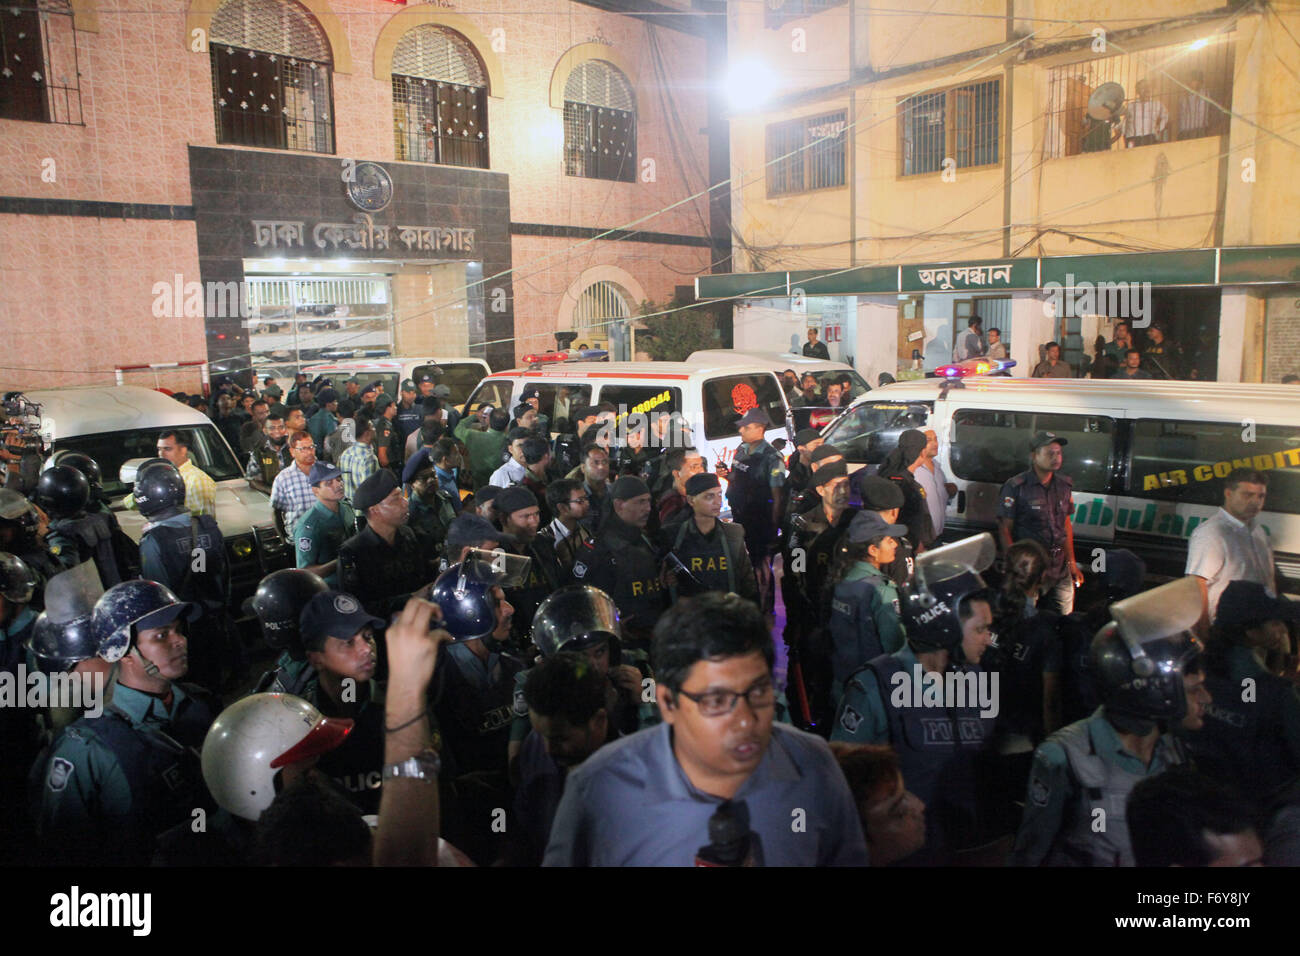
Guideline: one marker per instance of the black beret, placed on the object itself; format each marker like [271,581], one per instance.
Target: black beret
[374,490]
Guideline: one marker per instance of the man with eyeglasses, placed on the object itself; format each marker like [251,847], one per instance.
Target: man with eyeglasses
[569,502]
[647,799]
[291,494]
[327,524]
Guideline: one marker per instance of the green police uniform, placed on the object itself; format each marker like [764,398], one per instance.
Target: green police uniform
[63,548]
[485,450]
[320,533]
[1062,810]
[386,437]
[110,784]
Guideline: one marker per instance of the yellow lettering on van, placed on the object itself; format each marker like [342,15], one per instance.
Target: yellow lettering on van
[1178,477]
[1202,473]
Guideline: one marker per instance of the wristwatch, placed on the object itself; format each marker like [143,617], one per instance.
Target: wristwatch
[426,765]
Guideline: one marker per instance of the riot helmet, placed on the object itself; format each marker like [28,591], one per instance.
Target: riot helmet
[253,739]
[464,593]
[127,607]
[159,489]
[1140,657]
[63,491]
[64,633]
[17,580]
[942,579]
[84,464]
[278,604]
[574,618]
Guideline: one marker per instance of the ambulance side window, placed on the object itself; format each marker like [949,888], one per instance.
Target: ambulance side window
[495,392]
[726,399]
[558,401]
[992,446]
[1187,461]
[642,400]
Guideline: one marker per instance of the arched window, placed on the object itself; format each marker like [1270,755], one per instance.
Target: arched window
[439,99]
[600,317]
[271,68]
[599,123]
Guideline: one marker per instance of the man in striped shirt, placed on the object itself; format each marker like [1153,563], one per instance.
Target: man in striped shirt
[291,494]
[358,461]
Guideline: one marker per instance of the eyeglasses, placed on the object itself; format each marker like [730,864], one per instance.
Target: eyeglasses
[718,703]
[578,501]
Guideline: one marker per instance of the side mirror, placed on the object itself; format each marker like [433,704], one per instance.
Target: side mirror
[885,379]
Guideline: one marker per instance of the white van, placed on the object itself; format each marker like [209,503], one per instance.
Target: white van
[710,398]
[458,373]
[804,412]
[1147,457]
[115,425]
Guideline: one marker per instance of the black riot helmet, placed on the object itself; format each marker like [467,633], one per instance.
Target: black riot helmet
[159,489]
[943,578]
[278,604]
[63,634]
[574,618]
[17,581]
[1140,657]
[63,491]
[84,464]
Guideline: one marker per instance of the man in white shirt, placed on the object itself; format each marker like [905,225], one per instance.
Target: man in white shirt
[1233,545]
[930,476]
[1147,119]
[1193,109]
[512,471]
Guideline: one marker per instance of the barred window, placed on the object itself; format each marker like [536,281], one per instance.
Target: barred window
[1141,98]
[963,124]
[271,76]
[777,13]
[439,99]
[40,76]
[806,154]
[599,123]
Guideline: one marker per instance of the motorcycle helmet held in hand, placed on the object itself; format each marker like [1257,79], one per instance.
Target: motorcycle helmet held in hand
[464,594]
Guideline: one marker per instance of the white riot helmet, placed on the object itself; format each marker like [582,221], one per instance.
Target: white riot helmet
[254,738]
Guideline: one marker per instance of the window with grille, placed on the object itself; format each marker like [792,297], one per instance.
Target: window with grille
[271,76]
[806,154]
[40,78]
[599,124]
[963,124]
[439,99]
[777,13]
[1154,96]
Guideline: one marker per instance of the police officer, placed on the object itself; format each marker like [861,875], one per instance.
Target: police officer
[386,561]
[622,562]
[1037,504]
[18,729]
[339,638]
[278,604]
[62,641]
[257,747]
[79,536]
[325,421]
[886,498]
[583,620]
[472,696]
[755,493]
[947,618]
[388,444]
[521,519]
[712,552]
[806,441]
[410,413]
[126,552]
[1149,669]
[23,530]
[110,784]
[187,554]
[326,525]
[900,467]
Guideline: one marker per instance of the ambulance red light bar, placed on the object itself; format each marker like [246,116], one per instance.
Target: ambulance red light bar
[568,355]
[974,366]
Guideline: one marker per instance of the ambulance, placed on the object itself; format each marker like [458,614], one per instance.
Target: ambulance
[1148,458]
[804,414]
[709,397]
[458,373]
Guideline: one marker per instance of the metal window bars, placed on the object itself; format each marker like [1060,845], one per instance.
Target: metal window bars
[439,99]
[1159,112]
[962,124]
[792,168]
[599,123]
[40,68]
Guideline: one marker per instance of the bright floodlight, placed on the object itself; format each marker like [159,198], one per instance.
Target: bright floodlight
[748,84]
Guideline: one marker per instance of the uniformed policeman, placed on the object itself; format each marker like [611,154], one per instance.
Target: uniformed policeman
[386,561]
[1037,504]
[1148,666]
[18,728]
[23,530]
[622,562]
[900,467]
[388,443]
[325,421]
[109,784]
[326,525]
[278,604]
[520,517]
[711,553]
[798,482]
[755,493]
[187,554]
[432,508]
[923,700]
[125,551]
[583,620]
[339,638]
[64,493]
[410,413]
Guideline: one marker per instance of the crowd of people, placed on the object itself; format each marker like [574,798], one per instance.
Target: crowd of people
[499,646]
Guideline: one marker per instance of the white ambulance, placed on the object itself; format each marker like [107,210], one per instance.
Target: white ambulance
[460,374]
[1148,458]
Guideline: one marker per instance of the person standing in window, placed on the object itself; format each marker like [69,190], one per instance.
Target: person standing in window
[1194,109]
[971,343]
[1052,366]
[1147,121]
[996,349]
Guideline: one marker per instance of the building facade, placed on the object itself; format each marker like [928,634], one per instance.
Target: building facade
[1049,167]
[258,184]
